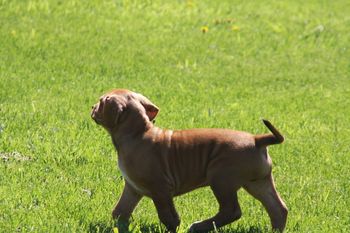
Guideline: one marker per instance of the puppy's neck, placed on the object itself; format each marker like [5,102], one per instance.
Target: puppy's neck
[129,133]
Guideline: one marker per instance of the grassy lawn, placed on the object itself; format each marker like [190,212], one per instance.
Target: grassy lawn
[223,64]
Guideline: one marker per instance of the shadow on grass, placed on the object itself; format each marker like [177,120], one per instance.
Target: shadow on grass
[252,229]
[100,227]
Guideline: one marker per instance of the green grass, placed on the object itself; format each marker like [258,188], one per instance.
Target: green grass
[287,62]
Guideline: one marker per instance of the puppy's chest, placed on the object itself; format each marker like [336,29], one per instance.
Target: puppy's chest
[128,176]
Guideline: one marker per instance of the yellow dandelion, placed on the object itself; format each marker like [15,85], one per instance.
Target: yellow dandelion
[235,28]
[190,4]
[204,29]
[276,28]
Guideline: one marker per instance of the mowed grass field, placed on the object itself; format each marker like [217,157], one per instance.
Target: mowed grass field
[217,64]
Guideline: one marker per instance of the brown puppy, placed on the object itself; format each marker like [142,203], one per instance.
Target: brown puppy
[162,164]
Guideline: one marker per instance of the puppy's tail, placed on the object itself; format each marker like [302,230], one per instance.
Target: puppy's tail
[269,139]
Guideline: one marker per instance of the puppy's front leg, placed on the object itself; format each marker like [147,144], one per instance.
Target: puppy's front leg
[166,210]
[126,204]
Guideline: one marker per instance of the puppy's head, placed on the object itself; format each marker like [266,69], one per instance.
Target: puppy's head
[122,106]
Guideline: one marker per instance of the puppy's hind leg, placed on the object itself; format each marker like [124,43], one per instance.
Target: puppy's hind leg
[229,209]
[264,190]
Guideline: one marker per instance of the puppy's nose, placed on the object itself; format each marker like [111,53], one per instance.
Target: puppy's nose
[93,107]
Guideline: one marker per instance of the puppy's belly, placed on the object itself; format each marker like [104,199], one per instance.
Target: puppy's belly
[190,187]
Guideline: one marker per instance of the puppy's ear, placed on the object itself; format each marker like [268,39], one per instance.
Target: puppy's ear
[151,109]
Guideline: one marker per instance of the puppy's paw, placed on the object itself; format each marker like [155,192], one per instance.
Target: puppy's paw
[198,226]
[122,225]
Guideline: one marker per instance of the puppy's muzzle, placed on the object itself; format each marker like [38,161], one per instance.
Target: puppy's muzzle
[97,110]
[96,113]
